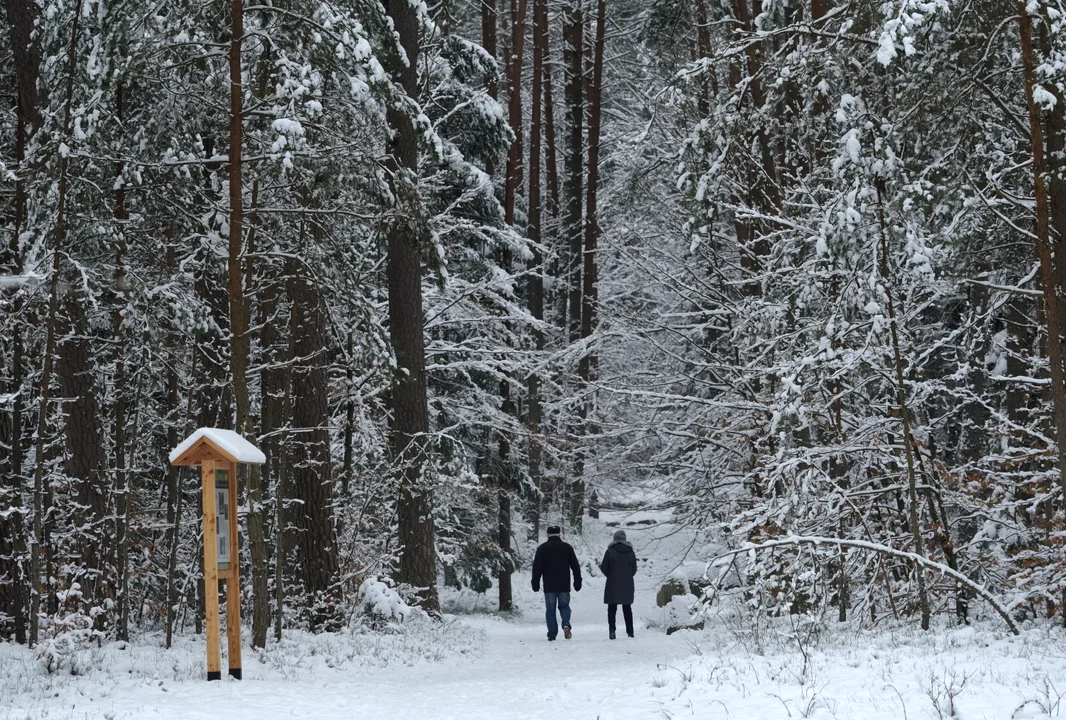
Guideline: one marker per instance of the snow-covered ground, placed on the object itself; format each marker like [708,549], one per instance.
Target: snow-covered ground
[483,666]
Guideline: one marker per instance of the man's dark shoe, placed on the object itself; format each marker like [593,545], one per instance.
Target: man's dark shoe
[630,634]
[566,632]
[551,639]
[612,634]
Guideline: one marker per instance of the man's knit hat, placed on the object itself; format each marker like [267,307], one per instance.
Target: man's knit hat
[554,530]
[619,536]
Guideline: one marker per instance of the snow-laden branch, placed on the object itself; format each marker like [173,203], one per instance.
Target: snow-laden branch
[884,550]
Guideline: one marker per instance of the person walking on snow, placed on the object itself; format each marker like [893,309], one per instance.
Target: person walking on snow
[553,562]
[619,566]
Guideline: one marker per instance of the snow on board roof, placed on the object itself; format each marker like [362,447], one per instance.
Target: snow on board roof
[227,441]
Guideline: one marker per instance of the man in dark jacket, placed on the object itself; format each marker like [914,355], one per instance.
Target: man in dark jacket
[619,566]
[553,562]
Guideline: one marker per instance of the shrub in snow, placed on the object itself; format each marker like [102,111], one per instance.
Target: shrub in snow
[379,602]
[68,634]
[464,601]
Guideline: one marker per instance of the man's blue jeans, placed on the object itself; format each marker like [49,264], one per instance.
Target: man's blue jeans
[550,601]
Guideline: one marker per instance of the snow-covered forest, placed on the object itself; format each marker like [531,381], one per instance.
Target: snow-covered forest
[784,276]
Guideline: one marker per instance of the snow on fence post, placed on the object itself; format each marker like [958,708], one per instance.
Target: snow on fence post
[217,453]
[874,547]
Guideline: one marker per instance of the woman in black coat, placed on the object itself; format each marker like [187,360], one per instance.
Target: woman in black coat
[619,566]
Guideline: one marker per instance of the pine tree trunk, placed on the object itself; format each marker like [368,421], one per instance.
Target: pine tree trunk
[86,459]
[312,482]
[75,358]
[514,58]
[10,503]
[13,595]
[281,541]
[349,416]
[175,493]
[1055,157]
[506,595]
[410,414]
[121,487]
[553,237]
[25,15]
[763,192]
[512,189]
[589,304]
[21,16]
[273,419]
[240,341]
[573,60]
[489,21]
[282,529]
[535,267]
[703,51]
[1043,246]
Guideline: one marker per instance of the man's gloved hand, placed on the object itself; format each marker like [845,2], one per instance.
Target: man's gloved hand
[577,586]
[536,587]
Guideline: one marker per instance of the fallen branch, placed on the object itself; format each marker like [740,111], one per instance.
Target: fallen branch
[883,550]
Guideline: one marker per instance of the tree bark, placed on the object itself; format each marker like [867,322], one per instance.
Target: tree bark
[121,487]
[21,16]
[505,595]
[764,191]
[489,20]
[240,341]
[349,416]
[410,414]
[1055,157]
[489,23]
[86,459]
[280,521]
[281,493]
[45,394]
[589,304]
[512,189]
[175,492]
[572,227]
[573,59]
[309,456]
[513,181]
[272,420]
[559,265]
[13,597]
[1043,245]
[535,267]
[703,52]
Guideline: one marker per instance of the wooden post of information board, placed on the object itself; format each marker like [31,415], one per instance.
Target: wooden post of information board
[217,453]
[214,659]
[233,583]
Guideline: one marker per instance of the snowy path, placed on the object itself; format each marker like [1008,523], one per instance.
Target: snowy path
[516,677]
[512,672]
[483,667]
